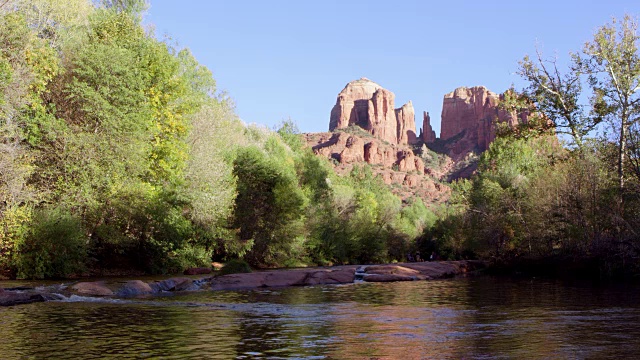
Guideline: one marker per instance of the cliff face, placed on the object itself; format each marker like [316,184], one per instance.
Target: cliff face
[349,149]
[406,124]
[470,114]
[366,104]
[387,135]
[395,164]
[352,106]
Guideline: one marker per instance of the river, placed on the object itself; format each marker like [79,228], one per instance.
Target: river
[478,317]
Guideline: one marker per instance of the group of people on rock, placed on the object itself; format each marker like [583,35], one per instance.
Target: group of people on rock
[418,258]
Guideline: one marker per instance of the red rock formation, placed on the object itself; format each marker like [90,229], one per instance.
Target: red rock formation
[409,162]
[406,119]
[428,135]
[375,153]
[95,288]
[343,147]
[352,106]
[366,104]
[395,164]
[382,122]
[353,151]
[472,112]
[411,180]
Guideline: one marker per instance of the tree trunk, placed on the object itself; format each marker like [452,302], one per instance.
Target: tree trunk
[621,153]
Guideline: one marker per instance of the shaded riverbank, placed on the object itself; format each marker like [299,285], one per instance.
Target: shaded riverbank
[259,279]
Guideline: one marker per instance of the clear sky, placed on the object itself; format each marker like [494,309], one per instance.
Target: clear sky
[289,59]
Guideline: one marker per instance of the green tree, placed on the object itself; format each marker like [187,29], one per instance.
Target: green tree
[54,247]
[613,64]
[269,205]
[502,196]
[557,96]
[59,22]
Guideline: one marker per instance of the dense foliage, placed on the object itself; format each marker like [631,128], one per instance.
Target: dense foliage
[118,154]
[537,205]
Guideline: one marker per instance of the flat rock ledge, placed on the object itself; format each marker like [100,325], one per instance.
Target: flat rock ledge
[133,288]
[260,279]
[418,270]
[345,274]
[280,278]
[11,298]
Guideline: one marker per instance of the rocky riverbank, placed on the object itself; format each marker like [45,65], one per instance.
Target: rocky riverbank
[259,279]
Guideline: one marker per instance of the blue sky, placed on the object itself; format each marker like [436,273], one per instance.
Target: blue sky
[290,59]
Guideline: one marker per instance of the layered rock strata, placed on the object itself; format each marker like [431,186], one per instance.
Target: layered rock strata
[395,164]
[368,105]
[470,115]
[406,124]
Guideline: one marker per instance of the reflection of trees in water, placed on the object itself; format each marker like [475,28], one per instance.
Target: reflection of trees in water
[551,319]
[89,330]
[459,318]
[285,322]
[403,320]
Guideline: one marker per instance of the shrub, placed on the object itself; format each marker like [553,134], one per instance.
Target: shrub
[55,246]
[235,266]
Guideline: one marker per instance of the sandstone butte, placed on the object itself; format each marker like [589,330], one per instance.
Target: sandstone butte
[470,115]
[366,128]
[368,105]
[344,274]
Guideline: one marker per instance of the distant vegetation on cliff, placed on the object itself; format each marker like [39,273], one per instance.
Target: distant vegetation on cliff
[118,154]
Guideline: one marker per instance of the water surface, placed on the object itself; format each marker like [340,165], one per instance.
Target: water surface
[481,317]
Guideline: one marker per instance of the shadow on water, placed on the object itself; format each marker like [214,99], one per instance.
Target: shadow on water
[460,318]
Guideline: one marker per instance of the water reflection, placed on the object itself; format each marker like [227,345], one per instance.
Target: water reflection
[461,318]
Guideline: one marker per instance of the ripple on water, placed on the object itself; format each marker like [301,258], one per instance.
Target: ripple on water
[461,318]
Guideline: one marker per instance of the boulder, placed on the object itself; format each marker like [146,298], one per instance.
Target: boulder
[342,275]
[10,298]
[419,165]
[95,288]
[380,154]
[134,288]
[237,281]
[407,160]
[172,284]
[353,151]
[411,180]
[198,271]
